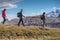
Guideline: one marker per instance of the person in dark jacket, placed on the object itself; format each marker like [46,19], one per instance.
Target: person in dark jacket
[20,15]
[4,15]
[43,19]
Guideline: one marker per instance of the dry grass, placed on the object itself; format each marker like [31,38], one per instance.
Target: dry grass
[14,32]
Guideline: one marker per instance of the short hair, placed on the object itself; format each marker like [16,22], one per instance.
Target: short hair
[43,12]
[4,9]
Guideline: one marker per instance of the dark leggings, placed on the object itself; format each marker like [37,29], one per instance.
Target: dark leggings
[20,20]
[4,19]
[43,22]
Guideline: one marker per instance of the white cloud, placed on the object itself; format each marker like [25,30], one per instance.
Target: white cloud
[8,4]
[9,1]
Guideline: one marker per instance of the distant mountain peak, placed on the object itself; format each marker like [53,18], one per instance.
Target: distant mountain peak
[55,13]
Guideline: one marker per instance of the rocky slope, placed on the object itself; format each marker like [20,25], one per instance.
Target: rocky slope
[36,21]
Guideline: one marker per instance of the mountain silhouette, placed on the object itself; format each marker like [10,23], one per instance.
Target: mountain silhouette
[55,13]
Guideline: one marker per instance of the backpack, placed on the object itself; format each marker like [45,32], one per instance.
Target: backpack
[41,17]
[18,14]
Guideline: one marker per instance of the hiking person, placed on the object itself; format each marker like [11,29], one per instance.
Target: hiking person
[43,19]
[4,15]
[20,16]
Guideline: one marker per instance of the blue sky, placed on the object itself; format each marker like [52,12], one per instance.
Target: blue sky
[30,7]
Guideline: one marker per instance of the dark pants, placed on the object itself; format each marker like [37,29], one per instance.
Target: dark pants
[4,19]
[43,23]
[20,20]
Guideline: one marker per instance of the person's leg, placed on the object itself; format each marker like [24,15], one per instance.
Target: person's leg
[43,23]
[4,19]
[19,22]
[22,23]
